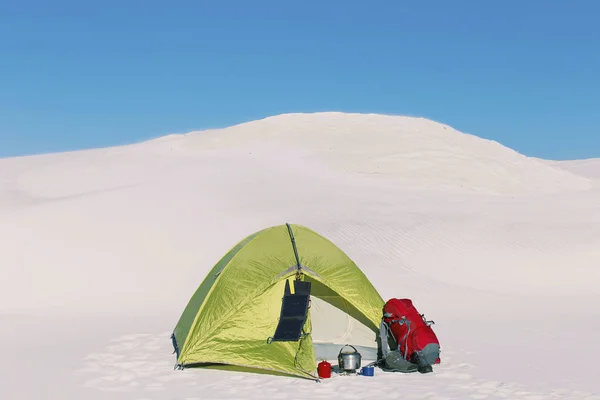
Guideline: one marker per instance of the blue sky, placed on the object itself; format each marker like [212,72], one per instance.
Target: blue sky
[83,74]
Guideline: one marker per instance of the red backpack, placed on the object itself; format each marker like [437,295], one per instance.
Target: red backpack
[415,339]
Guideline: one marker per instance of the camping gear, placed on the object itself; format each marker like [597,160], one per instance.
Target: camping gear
[349,361]
[368,370]
[278,301]
[324,369]
[414,338]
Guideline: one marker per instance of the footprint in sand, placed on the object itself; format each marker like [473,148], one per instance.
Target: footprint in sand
[136,361]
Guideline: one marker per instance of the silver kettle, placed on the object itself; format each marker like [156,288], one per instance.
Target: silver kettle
[349,361]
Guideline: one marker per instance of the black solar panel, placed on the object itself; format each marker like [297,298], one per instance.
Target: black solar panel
[294,305]
[289,329]
[294,308]
[301,287]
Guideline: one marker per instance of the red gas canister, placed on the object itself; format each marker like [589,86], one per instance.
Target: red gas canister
[324,369]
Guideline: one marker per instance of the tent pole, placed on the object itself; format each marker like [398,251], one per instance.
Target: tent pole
[295,248]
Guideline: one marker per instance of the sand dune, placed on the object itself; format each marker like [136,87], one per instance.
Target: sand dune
[100,250]
[589,168]
[414,150]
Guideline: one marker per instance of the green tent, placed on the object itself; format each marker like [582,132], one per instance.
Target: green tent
[278,301]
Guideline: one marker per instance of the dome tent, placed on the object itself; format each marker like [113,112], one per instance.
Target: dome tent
[279,300]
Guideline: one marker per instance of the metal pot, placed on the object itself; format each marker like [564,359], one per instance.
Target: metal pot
[349,361]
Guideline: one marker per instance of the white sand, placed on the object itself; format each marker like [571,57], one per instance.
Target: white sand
[101,250]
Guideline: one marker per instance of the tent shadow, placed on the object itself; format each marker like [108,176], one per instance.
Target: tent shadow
[239,368]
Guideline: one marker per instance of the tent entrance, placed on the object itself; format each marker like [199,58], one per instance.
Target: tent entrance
[335,323]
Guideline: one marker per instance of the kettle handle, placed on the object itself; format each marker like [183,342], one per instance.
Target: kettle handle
[340,353]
